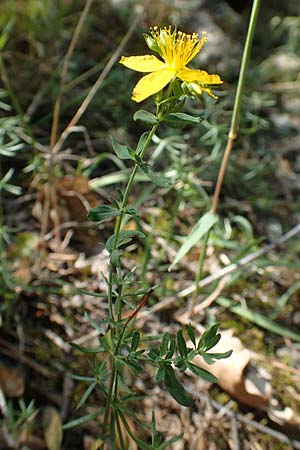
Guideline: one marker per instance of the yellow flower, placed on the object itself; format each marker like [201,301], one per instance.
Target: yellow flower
[176,49]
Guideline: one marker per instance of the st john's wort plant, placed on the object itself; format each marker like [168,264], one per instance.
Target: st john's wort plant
[122,348]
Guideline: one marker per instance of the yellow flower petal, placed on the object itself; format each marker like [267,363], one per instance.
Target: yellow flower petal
[143,63]
[151,84]
[200,76]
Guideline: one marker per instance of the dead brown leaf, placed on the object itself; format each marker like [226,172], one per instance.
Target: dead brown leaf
[52,428]
[11,381]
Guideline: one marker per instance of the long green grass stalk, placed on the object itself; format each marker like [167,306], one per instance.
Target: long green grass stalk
[233,132]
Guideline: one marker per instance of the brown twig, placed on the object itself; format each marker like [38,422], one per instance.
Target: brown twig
[221,174]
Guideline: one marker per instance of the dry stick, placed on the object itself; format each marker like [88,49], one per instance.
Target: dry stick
[242,262]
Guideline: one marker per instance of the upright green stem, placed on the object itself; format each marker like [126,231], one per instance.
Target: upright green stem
[117,229]
[243,70]
[237,104]
[232,133]
[201,263]
[121,217]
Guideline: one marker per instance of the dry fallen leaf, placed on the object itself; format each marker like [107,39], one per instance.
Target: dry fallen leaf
[52,428]
[236,375]
[11,381]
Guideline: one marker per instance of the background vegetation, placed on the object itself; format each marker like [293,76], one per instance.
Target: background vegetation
[51,256]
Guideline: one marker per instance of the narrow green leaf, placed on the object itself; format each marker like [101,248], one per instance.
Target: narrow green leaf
[135,341]
[82,420]
[202,373]
[180,120]
[204,224]
[181,363]
[122,151]
[131,211]
[141,143]
[191,334]
[160,374]
[164,343]
[153,353]
[181,344]
[86,394]
[124,238]
[102,212]
[175,389]
[220,355]
[100,326]
[134,366]
[157,179]
[259,319]
[86,349]
[115,258]
[146,117]
[172,348]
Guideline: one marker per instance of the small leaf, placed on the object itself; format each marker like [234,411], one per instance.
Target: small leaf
[191,334]
[141,143]
[181,344]
[180,120]
[122,151]
[102,212]
[160,374]
[153,353]
[172,348]
[115,258]
[157,179]
[86,394]
[164,343]
[131,211]
[209,338]
[175,389]
[82,420]
[220,355]
[152,44]
[181,363]
[135,341]
[146,117]
[204,224]
[207,358]
[202,373]
[210,358]
[124,238]
[86,349]
[135,367]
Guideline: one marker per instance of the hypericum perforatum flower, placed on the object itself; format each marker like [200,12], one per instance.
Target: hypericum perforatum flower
[176,49]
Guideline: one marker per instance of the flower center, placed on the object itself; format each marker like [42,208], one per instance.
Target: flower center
[177,48]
